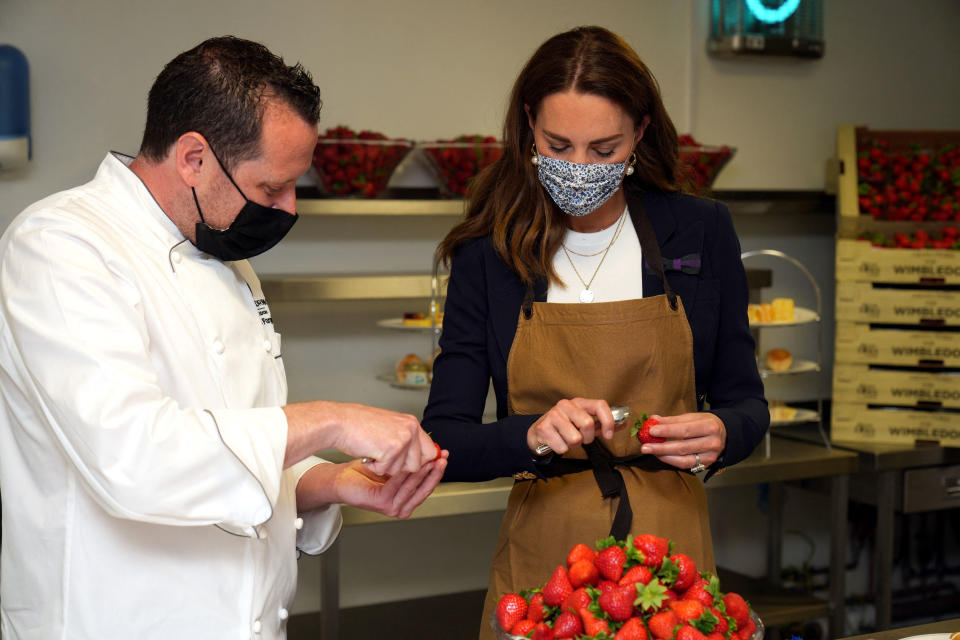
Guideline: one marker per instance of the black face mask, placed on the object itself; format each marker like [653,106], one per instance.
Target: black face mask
[255,229]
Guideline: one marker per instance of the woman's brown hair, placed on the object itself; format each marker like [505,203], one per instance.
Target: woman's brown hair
[506,199]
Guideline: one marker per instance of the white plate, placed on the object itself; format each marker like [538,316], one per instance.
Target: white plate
[797,366]
[801,315]
[932,636]
[802,415]
[397,323]
[392,379]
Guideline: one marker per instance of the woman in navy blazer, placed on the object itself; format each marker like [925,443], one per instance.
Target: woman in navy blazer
[484,299]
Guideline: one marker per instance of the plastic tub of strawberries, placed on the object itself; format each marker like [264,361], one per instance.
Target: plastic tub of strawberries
[638,588]
[351,164]
[455,162]
[700,164]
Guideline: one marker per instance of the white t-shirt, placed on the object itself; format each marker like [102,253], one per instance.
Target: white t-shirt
[619,277]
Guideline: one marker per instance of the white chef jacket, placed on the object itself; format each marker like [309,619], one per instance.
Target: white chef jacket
[141,435]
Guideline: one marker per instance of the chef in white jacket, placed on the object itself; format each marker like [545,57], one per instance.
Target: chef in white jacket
[155,483]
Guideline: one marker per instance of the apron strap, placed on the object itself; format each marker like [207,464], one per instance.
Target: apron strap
[528,298]
[650,247]
[609,479]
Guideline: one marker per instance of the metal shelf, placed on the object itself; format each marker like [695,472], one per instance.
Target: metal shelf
[316,288]
[378,207]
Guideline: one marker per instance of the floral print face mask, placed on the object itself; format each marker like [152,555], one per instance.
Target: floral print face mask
[579,189]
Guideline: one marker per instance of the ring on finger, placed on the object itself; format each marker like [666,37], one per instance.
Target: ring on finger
[697,468]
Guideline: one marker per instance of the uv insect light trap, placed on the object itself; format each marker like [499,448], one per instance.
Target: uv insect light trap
[791,28]
[15,148]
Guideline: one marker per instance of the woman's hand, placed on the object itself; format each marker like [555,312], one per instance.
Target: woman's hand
[570,423]
[688,435]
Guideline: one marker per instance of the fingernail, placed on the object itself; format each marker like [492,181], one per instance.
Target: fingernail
[645,449]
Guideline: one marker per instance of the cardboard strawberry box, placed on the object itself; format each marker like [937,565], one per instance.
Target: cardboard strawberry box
[857,422]
[860,260]
[906,388]
[862,302]
[858,343]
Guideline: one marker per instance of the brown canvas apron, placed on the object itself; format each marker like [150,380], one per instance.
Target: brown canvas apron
[637,353]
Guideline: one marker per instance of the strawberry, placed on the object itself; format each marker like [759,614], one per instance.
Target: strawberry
[686,571]
[651,597]
[511,608]
[580,551]
[737,608]
[579,598]
[632,629]
[635,574]
[618,603]
[641,429]
[583,572]
[523,627]
[661,624]
[537,609]
[593,625]
[746,631]
[722,624]
[686,610]
[716,635]
[567,625]
[704,591]
[542,632]
[557,588]
[606,585]
[654,549]
[610,561]
[686,632]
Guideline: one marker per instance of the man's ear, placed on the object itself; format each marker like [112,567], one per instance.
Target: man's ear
[189,151]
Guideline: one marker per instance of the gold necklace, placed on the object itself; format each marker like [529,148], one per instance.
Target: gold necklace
[586,295]
[596,253]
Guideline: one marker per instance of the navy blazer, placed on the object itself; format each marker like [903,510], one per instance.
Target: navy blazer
[480,319]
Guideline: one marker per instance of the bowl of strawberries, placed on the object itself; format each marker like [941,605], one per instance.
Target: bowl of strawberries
[351,164]
[455,162]
[700,164]
[634,589]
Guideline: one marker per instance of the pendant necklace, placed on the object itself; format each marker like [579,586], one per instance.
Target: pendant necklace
[587,295]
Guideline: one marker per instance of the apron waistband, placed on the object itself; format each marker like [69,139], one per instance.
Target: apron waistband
[609,479]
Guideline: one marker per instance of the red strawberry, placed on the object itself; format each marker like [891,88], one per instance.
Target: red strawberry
[699,591]
[557,588]
[654,549]
[661,624]
[580,551]
[523,627]
[593,625]
[639,573]
[567,625]
[641,429]
[610,562]
[686,632]
[536,611]
[737,608]
[583,572]
[670,594]
[542,632]
[579,598]
[618,603]
[606,585]
[633,629]
[686,610]
[746,631]
[722,624]
[716,635]
[686,571]
[511,609]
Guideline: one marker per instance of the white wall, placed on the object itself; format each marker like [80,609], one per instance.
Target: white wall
[437,68]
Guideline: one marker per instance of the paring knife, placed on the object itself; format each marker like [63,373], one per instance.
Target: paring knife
[620,415]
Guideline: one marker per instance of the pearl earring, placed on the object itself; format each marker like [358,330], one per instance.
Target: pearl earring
[633,161]
[535,158]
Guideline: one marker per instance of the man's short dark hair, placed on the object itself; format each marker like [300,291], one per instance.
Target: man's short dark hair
[219,89]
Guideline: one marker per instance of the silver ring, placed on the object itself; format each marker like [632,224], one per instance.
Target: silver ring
[542,449]
[697,468]
[366,460]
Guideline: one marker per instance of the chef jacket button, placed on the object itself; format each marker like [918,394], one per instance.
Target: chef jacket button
[268,345]
[283,614]
[218,346]
[257,627]
[298,524]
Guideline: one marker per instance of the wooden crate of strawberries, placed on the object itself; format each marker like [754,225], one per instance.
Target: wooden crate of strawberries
[898,284]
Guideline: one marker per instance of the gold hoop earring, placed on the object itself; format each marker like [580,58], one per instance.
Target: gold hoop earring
[633,161]
[535,157]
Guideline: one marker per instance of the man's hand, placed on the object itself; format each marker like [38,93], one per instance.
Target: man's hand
[688,435]
[393,441]
[355,484]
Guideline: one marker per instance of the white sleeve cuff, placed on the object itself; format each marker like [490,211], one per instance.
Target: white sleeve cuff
[320,526]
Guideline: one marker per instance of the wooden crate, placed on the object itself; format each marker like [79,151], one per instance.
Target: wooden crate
[858,343]
[858,260]
[861,302]
[860,383]
[857,422]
